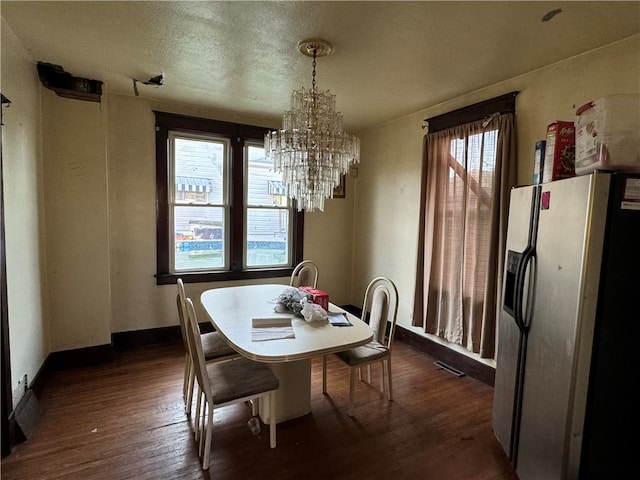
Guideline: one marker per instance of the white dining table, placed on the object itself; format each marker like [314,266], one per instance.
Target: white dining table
[232,311]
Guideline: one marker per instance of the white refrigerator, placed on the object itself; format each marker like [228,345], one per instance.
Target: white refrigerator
[565,398]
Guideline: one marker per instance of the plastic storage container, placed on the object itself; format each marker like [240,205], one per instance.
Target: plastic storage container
[608,134]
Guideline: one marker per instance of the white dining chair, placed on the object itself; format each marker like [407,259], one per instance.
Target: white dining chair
[381,308]
[215,349]
[305,274]
[225,383]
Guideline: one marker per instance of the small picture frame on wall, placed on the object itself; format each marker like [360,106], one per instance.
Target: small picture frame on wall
[338,192]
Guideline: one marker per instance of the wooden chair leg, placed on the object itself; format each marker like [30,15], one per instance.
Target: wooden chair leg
[382,376]
[352,379]
[185,383]
[207,443]
[190,387]
[196,420]
[389,378]
[203,427]
[324,374]
[272,419]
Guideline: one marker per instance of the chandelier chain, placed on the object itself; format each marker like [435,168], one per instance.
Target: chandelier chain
[313,83]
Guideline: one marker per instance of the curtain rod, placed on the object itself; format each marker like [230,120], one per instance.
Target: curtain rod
[502,104]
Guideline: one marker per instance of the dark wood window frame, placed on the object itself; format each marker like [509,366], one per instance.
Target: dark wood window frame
[238,135]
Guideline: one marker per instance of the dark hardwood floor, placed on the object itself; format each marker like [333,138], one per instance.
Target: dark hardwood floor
[125,420]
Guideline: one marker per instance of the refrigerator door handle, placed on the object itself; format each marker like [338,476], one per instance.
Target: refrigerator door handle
[523,324]
[527,254]
[521,313]
[519,289]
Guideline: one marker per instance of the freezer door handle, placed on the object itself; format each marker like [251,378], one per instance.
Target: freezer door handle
[527,255]
[509,301]
[520,316]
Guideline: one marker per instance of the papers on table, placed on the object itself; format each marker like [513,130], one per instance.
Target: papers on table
[338,319]
[271,328]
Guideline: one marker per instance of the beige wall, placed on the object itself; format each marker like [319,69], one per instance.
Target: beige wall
[388,184]
[23,207]
[77,246]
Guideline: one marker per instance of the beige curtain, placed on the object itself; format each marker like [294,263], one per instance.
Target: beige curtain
[468,172]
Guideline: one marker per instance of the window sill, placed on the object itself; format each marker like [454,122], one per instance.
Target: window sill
[206,277]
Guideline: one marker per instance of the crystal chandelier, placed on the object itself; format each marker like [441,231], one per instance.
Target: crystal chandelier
[311,150]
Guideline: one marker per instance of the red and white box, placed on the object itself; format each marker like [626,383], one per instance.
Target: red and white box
[560,152]
[317,296]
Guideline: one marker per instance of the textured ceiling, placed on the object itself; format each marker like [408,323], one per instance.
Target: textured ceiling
[390,58]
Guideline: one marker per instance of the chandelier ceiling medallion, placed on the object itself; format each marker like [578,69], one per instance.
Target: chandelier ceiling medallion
[312,151]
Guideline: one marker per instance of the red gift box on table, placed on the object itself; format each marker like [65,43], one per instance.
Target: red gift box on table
[317,296]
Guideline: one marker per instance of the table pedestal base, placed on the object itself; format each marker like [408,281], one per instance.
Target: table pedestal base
[293,398]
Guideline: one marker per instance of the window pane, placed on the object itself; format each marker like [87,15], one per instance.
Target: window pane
[265,186]
[200,238]
[267,237]
[199,171]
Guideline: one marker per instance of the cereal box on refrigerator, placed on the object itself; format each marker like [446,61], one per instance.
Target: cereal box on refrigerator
[560,152]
